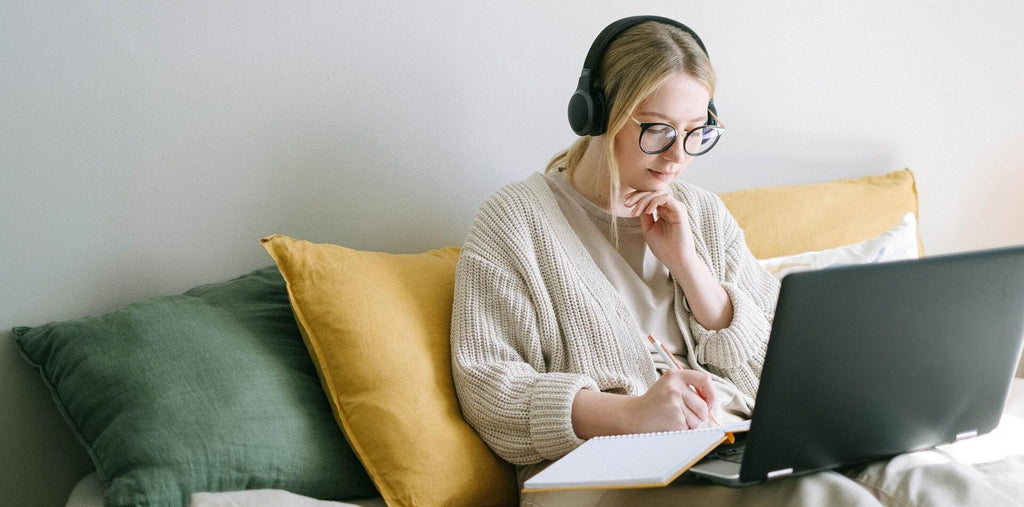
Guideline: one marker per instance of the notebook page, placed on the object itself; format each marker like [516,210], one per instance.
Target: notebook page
[648,459]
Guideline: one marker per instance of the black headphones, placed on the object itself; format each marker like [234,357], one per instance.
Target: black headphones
[588,115]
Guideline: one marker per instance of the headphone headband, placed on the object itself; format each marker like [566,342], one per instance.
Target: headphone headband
[587,111]
[613,30]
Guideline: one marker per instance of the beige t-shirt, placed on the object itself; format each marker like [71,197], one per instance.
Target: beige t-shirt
[643,281]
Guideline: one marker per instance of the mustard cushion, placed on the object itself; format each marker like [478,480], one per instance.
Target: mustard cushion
[786,220]
[377,328]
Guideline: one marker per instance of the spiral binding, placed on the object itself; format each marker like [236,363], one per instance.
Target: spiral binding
[661,433]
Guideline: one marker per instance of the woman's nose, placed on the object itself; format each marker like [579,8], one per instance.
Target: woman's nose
[675,153]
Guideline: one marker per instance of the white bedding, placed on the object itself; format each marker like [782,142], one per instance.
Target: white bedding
[89,493]
[998,455]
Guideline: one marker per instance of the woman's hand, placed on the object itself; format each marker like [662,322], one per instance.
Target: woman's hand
[672,403]
[669,237]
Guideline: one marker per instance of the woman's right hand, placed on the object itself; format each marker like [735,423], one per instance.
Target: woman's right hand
[674,402]
[670,404]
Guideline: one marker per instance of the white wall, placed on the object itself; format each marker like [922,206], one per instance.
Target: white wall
[146,147]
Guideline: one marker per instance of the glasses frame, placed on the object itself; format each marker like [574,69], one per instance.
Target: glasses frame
[720,128]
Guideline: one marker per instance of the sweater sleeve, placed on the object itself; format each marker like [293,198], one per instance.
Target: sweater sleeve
[737,351]
[499,366]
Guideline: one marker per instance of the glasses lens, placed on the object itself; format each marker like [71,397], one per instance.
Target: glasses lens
[657,138]
[701,139]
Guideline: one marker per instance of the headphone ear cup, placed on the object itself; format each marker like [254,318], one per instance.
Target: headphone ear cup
[586,112]
[581,113]
[600,112]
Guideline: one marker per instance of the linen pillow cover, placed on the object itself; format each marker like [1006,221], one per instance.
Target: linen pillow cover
[377,326]
[211,390]
[898,243]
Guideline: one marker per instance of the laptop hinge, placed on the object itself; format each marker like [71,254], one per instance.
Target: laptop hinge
[779,473]
[966,435]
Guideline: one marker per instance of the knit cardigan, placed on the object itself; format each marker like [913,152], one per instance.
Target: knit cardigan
[535,320]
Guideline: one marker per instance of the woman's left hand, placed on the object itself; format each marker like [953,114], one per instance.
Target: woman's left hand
[669,237]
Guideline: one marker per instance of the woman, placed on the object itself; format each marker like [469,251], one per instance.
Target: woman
[564,275]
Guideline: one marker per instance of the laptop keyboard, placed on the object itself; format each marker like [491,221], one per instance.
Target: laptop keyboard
[733,453]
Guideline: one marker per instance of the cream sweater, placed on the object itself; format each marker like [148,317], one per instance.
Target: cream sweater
[535,320]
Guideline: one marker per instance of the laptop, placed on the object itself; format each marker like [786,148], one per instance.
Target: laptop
[869,361]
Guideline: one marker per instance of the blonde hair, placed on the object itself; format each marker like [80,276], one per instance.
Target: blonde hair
[635,64]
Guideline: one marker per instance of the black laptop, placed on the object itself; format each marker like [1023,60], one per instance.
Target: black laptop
[869,361]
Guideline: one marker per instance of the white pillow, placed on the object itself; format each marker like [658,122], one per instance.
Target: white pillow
[898,243]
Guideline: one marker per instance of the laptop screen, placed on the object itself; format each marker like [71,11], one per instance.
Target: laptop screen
[870,361]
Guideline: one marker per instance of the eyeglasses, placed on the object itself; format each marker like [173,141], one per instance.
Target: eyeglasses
[657,138]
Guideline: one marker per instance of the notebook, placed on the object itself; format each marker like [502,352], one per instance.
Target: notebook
[863,362]
[631,461]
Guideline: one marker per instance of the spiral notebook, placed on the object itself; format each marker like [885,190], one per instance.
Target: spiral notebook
[642,460]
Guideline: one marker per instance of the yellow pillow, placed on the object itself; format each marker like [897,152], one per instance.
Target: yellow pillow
[377,327]
[787,220]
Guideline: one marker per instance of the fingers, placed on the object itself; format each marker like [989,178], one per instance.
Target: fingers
[687,387]
[646,223]
[645,203]
[695,409]
[708,394]
[705,388]
[632,197]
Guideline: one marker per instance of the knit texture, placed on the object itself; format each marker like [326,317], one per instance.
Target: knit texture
[535,320]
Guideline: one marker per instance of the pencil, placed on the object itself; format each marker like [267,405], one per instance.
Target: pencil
[672,361]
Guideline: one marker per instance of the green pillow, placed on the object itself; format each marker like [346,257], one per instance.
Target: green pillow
[212,390]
